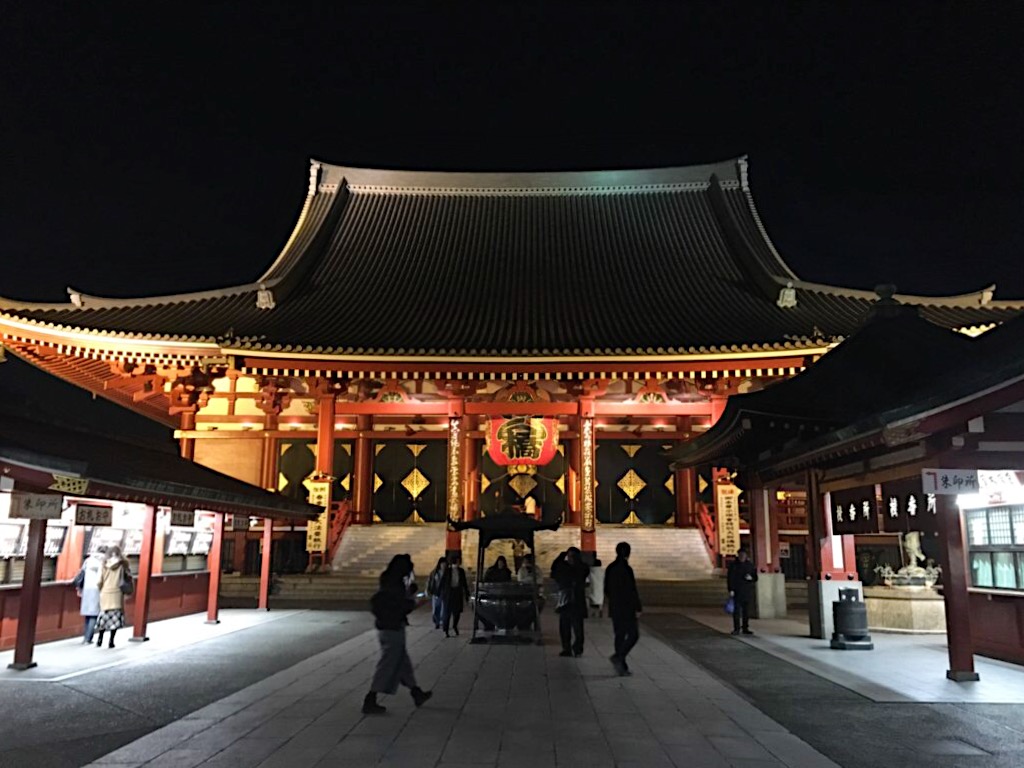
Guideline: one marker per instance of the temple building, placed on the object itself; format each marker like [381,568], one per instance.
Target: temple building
[431,346]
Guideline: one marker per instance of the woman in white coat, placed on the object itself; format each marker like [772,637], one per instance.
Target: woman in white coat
[88,583]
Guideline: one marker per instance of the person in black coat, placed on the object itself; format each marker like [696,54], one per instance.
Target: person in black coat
[391,604]
[623,606]
[499,572]
[740,578]
[570,573]
[454,593]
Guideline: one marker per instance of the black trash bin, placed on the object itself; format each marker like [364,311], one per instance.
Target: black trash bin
[850,616]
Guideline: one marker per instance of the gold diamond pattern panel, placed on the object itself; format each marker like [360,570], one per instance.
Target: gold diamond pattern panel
[671,484]
[377,483]
[484,482]
[631,484]
[522,485]
[560,483]
[346,483]
[631,450]
[415,483]
[415,449]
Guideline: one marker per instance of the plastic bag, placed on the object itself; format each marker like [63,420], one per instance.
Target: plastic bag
[730,606]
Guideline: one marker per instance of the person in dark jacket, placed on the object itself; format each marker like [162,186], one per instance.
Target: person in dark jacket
[434,581]
[623,606]
[454,593]
[391,605]
[741,577]
[499,572]
[570,573]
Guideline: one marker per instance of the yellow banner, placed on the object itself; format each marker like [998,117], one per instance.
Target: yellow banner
[727,511]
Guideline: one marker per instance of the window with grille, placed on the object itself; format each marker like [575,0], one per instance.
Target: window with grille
[995,540]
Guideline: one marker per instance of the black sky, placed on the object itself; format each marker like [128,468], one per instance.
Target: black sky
[168,152]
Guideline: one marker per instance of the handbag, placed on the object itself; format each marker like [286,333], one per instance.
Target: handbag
[730,606]
[127,582]
[564,600]
[79,581]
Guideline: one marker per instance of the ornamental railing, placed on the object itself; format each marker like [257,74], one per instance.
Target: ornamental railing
[341,519]
[706,524]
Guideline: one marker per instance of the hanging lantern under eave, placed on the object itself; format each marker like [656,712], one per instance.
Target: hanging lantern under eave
[516,440]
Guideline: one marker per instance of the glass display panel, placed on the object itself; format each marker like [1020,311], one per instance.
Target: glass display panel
[10,539]
[981,569]
[977,527]
[999,526]
[1020,570]
[54,543]
[1005,572]
[1018,526]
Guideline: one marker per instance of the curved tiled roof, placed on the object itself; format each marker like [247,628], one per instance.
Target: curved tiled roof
[659,261]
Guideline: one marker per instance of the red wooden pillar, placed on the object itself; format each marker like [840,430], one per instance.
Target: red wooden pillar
[188,444]
[141,621]
[764,530]
[362,474]
[325,435]
[587,476]
[69,563]
[268,545]
[471,465]
[717,407]
[28,602]
[160,542]
[954,590]
[573,483]
[213,565]
[686,498]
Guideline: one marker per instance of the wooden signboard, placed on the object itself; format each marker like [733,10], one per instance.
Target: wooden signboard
[727,510]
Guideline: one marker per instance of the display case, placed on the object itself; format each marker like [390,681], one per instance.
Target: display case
[995,538]
[11,535]
[55,536]
[97,536]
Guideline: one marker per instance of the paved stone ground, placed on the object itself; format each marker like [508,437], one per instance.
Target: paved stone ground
[849,728]
[70,710]
[494,705]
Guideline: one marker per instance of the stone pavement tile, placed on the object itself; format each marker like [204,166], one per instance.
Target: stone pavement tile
[743,762]
[295,754]
[356,750]
[519,760]
[791,750]
[696,755]
[739,746]
[628,749]
[282,726]
[246,753]
[146,748]
[179,758]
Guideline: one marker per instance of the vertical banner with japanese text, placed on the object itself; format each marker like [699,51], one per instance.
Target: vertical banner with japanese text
[727,512]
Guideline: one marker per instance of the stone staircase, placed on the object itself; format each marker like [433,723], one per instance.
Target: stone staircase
[671,564]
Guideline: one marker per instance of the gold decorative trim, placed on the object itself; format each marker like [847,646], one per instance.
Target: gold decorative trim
[631,450]
[631,484]
[415,483]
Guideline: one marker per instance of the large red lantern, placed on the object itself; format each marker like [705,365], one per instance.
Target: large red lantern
[515,440]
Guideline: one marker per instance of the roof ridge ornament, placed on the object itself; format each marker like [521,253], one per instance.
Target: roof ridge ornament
[76,297]
[743,164]
[265,297]
[787,296]
[314,176]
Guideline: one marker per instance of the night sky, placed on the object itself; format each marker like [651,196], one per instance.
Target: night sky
[169,153]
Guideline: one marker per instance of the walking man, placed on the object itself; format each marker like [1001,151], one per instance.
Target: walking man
[623,606]
[454,594]
[741,577]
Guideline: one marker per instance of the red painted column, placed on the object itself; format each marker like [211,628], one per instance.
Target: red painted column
[69,563]
[268,545]
[188,444]
[954,590]
[325,435]
[141,621]
[588,476]
[213,565]
[471,467]
[717,407]
[686,498]
[573,483]
[28,602]
[764,536]
[160,543]
[362,472]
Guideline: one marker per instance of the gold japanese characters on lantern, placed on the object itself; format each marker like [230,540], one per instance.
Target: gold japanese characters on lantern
[518,440]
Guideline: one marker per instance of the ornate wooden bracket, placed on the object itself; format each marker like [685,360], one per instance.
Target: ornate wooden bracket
[192,391]
[275,395]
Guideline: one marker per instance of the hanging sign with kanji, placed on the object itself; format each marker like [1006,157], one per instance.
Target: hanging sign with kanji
[949,482]
[93,514]
[37,506]
[518,440]
[183,518]
[727,512]
[316,534]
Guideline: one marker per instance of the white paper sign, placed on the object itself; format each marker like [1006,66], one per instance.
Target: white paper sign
[37,506]
[93,514]
[184,518]
[949,482]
